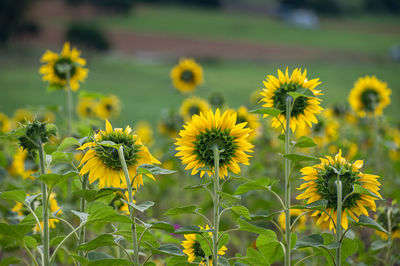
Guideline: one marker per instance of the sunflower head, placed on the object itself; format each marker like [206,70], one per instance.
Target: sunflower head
[294,213]
[170,123]
[22,117]
[102,162]
[193,106]
[187,75]
[369,96]
[303,111]
[86,107]
[203,132]
[194,251]
[58,68]
[382,216]
[217,100]
[35,134]
[108,107]
[145,133]
[4,123]
[321,184]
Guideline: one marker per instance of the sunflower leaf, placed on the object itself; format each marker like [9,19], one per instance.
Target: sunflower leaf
[267,111]
[297,158]
[100,241]
[361,190]
[267,217]
[196,186]
[68,142]
[228,196]
[155,170]
[316,205]
[168,249]
[368,222]
[16,195]
[111,144]
[162,226]
[181,210]
[260,183]
[142,207]
[305,142]
[242,211]
[52,180]
[188,230]
[245,226]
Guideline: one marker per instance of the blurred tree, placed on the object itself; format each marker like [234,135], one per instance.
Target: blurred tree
[87,35]
[13,19]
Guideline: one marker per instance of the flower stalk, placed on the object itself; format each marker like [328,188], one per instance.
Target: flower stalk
[69,102]
[216,204]
[131,209]
[83,209]
[289,100]
[339,221]
[45,240]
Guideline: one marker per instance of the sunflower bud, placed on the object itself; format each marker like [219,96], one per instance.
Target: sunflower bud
[36,133]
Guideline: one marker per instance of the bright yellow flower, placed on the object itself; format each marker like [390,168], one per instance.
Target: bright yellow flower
[252,121]
[192,248]
[369,96]
[195,145]
[187,75]
[294,213]
[304,108]
[53,63]
[103,164]
[108,107]
[321,184]
[193,106]
[145,133]
[86,107]
[4,123]
[18,166]
[394,153]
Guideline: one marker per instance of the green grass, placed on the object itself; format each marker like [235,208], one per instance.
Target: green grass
[145,88]
[332,35]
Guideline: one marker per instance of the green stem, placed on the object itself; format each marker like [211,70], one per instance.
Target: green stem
[45,239]
[131,209]
[31,255]
[339,220]
[82,209]
[289,100]
[69,104]
[216,205]
[389,251]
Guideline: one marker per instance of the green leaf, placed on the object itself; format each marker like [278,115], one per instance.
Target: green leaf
[310,241]
[170,249]
[188,230]
[227,196]
[10,261]
[100,212]
[259,183]
[16,195]
[30,242]
[254,258]
[242,211]
[59,157]
[88,194]
[56,240]
[301,93]
[68,142]
[100,241]
[361,190]
[305,142]
[267,111]
[163,226]
[223,241]
[29,199]
[142,207]
[154,170]
[181,210]
[316,205]
[379,244]
[267,217]
[110,144]
[52,180]
[349,247]
[245,226]
[178,261]
[81,215]
[14,232]
[90,94]
[223,261]
[297,158]
[196,186]
[54,87]
[29,220]
[269,247]
[111,262]
[368,222]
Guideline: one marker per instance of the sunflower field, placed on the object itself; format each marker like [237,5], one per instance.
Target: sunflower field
[283,178]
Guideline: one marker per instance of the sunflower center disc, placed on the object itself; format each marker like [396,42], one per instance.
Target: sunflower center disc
[187,76]
[370,99]
[64,61]
[194,110]
[281,94]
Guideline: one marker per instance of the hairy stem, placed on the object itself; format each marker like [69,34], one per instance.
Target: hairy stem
[82,209]
[289,100]
[339,221]
[45,240]
[216,205]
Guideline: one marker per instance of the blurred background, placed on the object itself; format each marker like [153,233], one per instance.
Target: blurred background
[131,46]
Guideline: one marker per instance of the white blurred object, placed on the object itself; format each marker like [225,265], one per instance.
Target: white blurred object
[301,18]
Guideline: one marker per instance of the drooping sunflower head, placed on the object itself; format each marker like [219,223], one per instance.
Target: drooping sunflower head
[108,107]
[187,75]
[4,123]
[252,120]
[86,107]
[204,132]
[382,215]
[321,185]
[194,251]
[369,96]
[276,91]
[58,67]
[145,132]
[193,106]
[102,162]
[294,213]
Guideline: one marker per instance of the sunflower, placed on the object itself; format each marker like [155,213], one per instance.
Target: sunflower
[304,109]
[382,218]
[170,123]
[121,206]
[86,107]
[194,251]
[20,165]
[187,75]
[145,133]
[103,164]
[193,106]
[22,117]
[243,115]
[4,123]
[56,65]
[394,152]
[294,213]
[108,107]
[369,96]
[322,185]
[206,130]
